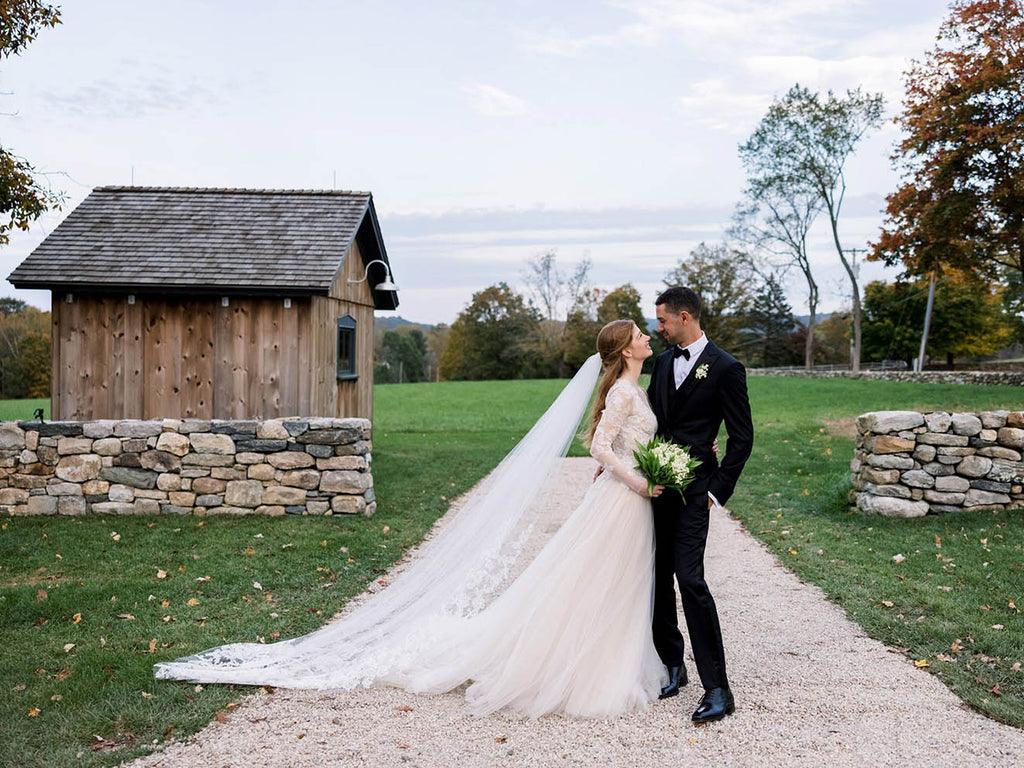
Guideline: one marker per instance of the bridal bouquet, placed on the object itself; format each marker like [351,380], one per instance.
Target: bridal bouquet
[665,463]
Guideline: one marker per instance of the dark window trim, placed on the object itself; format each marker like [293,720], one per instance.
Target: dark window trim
[347,330]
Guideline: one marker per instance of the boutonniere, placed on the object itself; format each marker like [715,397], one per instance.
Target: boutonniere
[702,371]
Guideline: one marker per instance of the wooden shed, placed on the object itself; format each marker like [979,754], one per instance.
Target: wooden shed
[213,303]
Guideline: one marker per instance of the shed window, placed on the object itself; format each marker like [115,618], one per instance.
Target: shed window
[347,348]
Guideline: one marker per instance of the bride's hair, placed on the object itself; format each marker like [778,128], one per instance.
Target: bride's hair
[611,340]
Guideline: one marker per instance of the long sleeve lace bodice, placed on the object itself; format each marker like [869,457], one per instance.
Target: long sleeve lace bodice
[626,419]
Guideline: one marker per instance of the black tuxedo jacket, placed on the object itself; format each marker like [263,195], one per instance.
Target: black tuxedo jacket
[693,415]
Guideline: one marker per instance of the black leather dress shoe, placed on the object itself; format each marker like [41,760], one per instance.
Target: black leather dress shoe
[676,680]
[715,704]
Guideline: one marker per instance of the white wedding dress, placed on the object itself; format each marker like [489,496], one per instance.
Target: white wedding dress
[571,633]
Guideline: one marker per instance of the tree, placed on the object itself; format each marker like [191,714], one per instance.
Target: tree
[967,320]
[961,202]
[775,221]
[1013,303]
[401,355]
[623,303]
[722,277]
[494,337]
[579,339]
[24,350]
[801,147]
[23,198]
[550,289]
[833,333]
[769,323]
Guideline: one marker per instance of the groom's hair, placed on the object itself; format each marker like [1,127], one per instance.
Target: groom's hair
[680,298]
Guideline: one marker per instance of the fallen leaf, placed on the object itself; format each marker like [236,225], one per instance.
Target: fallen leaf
[68,647]
[147,695]
[403,746]
[152,645]
[501,739]
[77,618]
[997,626]
[944,657]
[161,574]
[62,675]
[693,741]
[1016,667]
[267,689]
[301,736]
[257,585]
[41,594]
[115,535]
[221,717]
[944,588]
[404,708]
[938,541]
[887,603]
[792,551]
[250,551]
[165,603]
[955,646]
[921,663]
[126,616]
[33,712]
[56,697]
[995,689]
[898,558]
[385,529]
[198,688]
[192,601]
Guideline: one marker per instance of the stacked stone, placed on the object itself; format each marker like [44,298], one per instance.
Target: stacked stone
[907,464]
[314,466]
[988,378]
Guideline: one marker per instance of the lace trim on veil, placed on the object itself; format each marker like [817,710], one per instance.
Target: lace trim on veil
[456,574]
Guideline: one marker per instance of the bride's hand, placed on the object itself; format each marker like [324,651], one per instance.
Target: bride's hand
[657,491]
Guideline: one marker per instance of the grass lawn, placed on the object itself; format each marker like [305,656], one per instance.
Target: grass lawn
[87,605]
[23,410]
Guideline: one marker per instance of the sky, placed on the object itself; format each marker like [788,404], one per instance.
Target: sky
[488,132]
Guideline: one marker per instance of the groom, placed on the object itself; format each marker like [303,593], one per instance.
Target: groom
[695,386]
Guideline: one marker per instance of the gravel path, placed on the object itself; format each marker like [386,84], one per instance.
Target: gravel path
[811,690]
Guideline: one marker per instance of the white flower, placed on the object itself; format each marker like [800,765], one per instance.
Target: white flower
[702,371]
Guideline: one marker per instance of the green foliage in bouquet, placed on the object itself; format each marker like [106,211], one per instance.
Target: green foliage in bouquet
[665,463]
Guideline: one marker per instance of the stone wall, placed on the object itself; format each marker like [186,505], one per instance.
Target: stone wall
[1004,378]
[908,464]
[310,466]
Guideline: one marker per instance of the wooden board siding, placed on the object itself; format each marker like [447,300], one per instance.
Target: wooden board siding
[187,358]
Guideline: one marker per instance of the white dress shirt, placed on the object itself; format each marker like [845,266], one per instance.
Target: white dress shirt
[681,367]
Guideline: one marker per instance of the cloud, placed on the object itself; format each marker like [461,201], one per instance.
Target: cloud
[494,102]
[707,24]
[129,98]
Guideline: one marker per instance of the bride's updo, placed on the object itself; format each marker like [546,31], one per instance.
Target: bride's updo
[611,341]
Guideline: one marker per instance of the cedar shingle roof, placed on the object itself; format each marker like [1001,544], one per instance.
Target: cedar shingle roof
[192,240]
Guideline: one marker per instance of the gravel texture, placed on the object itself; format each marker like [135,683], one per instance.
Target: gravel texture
[811,690]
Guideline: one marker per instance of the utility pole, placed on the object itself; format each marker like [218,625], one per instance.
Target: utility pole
[927,323]
[854,352]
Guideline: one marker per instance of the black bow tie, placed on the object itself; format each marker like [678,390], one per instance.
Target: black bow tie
[677,351]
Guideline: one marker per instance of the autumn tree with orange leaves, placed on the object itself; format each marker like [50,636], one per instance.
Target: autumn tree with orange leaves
[961,203]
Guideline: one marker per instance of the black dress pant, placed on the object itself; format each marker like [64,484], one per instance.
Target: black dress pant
[681,534]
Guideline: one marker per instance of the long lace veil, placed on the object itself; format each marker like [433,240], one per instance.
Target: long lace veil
[457,573]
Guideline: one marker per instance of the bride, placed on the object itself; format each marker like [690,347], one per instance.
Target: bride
[570,633]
